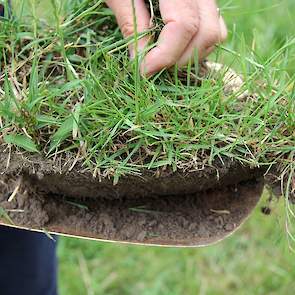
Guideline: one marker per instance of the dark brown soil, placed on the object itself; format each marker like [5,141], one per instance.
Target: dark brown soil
[186,220]
[187,209]
[54,177]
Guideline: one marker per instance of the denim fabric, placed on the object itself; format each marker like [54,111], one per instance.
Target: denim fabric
[28,263]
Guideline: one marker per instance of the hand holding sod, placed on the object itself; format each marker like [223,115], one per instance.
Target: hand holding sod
[190,26]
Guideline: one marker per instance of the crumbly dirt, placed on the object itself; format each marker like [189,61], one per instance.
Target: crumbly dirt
[55,177]
[188,210]
[187,220]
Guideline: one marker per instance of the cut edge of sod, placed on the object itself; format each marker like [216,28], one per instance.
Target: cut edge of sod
[190,220]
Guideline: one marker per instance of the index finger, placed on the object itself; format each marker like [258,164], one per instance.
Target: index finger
[123,11]
[181,25]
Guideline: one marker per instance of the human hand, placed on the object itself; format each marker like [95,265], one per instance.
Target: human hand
[190,26]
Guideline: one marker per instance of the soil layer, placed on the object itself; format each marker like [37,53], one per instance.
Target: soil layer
[179,209]
[56,177]
[186,220]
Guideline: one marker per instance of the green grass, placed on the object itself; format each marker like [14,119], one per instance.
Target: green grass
[257,259]
[69,86]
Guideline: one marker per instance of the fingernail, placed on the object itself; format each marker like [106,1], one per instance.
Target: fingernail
[131,54]
[146,71]
[143,69]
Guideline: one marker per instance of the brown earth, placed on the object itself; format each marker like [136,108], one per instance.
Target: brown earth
[179,208]
[187,220]
[54,177]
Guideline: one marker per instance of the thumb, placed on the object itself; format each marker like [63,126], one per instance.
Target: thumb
[123,11]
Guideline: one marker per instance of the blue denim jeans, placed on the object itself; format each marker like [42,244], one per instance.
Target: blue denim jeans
[28,263]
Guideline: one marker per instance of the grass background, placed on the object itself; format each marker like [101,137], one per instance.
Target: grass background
[256,260]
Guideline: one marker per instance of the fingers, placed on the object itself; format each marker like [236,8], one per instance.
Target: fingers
[190,26]
[181,25]
[124,14]
[212,31]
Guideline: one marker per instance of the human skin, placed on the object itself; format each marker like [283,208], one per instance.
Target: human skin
[190,26]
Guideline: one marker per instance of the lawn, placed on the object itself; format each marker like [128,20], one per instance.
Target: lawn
[257,259]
